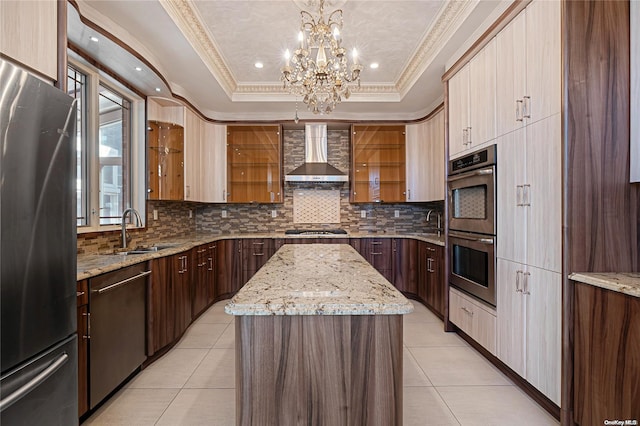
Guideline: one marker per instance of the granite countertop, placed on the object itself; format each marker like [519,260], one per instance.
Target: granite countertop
[621,282]
[91,265]
[319,279]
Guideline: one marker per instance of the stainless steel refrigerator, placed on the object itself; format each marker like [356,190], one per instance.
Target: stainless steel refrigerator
[38,352]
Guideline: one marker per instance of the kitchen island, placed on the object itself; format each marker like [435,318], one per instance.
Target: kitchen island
[318,341]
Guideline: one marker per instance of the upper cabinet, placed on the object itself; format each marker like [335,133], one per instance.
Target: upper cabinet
[165,110]
[472,102]
[528,88]
[425,160]
[29,34]
[165,158]
[378,164]
[254,164]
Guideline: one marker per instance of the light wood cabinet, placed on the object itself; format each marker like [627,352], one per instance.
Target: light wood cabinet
[254,164]
[529,196]
[378,164]
[482,97]
[205,160]
[213,156]
[528,88]
[29,34]
[529,324]
[425,160]
[166,111]
[193,179]
[475,319]
[458,111]
[472,103]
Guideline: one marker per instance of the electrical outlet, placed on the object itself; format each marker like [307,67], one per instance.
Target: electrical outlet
[224,213]
[155,214]
[190,214]
[396,213]
[274,213]
[363,214]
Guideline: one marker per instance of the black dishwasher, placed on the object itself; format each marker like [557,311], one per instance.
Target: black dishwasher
[117,328]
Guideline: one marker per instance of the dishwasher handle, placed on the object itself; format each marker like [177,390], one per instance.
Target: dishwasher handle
[120,283]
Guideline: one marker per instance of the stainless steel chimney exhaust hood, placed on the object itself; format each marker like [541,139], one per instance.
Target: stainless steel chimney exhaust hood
[315,167]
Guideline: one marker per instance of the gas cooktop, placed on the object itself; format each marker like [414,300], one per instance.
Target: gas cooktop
[315,232]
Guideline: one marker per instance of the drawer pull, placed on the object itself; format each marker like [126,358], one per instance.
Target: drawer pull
[467,311]
[79,293]
[258,254]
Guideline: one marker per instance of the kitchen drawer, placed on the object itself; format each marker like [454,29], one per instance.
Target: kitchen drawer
[476,320]
[82,292]
[257,244]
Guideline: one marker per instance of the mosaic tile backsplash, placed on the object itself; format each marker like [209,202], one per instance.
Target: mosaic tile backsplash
[174,220]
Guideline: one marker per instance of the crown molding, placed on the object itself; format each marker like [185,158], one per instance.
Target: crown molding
[188,20]
[432,41]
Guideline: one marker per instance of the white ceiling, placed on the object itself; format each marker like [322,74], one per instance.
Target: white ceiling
[206,49]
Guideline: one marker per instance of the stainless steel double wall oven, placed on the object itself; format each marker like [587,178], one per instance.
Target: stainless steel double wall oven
[472,223]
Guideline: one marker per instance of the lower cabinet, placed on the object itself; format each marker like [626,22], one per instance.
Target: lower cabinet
[228,268]
[378,252]
[529,324]
[475,319]
[255,253]
[405,265]
[431,284]
[83,346]
[203,284]
[169,304]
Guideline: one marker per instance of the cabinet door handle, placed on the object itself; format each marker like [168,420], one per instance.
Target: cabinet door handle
[224,195]
[519,110]
[258,254]
[88,315]
[469,135]
[258,244]
[210,264]
[526,195]
[525,287]
[518,289]
[467,311]
[375,253]
[464,137]
[79,293]
[526,108]
[519,190]
[408,194]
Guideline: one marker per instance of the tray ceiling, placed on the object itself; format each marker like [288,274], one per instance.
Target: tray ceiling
[205,50]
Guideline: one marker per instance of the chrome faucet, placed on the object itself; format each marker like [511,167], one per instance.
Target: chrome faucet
[124,224]
[438,219]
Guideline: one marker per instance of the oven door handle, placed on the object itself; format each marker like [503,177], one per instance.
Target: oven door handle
[464,237]
[481,172]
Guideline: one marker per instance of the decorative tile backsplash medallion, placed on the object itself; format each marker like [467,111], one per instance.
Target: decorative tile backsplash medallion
[316,206]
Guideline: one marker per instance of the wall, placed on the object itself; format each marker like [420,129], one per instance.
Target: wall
[243,218]
[173,222]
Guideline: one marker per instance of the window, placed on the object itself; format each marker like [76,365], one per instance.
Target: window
[109,133]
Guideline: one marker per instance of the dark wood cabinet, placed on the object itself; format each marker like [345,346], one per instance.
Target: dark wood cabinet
[228,268]
[606,353]
[83,346]
[211,260]
[431,284]
[169,309]
[378,252]
[255,253]
[201,277]
[405,265]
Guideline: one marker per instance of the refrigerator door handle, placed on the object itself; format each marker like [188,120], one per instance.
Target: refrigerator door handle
[34,383]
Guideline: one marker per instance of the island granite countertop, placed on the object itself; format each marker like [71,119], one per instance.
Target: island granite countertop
[318,279]
[621,282]
[91,265]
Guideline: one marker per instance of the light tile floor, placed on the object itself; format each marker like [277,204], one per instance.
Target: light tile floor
[446,382]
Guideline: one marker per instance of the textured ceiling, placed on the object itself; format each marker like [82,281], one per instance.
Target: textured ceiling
[206,50]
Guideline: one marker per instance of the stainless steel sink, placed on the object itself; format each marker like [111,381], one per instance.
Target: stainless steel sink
[143,250]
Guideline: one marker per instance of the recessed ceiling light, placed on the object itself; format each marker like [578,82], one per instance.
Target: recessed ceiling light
[138,69]
[94,39]
[259,65]
[158,89]
[374,65]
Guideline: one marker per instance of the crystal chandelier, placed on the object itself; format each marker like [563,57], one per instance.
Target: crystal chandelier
[321,82]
